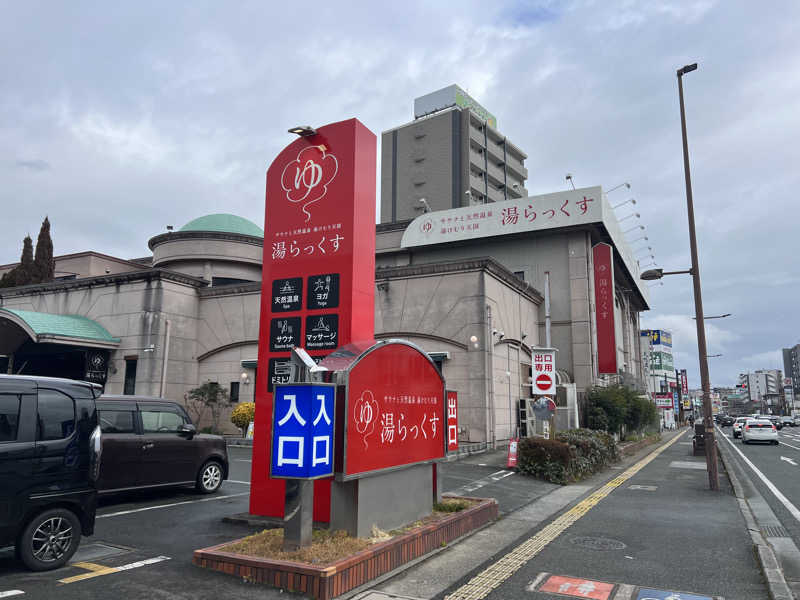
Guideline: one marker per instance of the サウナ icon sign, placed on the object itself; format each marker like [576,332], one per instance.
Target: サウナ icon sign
[305,179]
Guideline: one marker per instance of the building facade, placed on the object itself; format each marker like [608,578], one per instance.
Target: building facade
[451,155]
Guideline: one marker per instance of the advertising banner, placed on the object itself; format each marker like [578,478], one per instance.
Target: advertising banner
[318,276]
[684,383]
[604,308]
[663,400]
[658,337]
[452,420]
[543,373]
[395,411]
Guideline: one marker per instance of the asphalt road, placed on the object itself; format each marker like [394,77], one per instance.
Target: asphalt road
[780,466]
[150,537]
[661,529]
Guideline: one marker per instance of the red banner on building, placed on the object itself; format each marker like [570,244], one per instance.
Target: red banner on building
[318,278]
[604,308]
[395,411]
[452,421]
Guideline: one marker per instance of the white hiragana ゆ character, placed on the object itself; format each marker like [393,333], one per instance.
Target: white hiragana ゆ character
[322,414]
[292,411]
[586,588]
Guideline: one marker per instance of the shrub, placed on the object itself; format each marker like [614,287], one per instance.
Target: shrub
[546,459]
[573,455]
[243,414]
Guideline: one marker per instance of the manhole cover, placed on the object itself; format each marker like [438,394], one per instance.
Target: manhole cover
[597,543]
[89,552]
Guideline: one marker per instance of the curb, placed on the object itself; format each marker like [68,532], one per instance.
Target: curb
[776,583]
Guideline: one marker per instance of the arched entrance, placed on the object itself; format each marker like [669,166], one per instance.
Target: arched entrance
[70,346]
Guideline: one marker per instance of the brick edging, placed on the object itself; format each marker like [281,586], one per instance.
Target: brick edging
[332,580]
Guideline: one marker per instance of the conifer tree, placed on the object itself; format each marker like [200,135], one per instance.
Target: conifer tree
[23,273]
[44,264]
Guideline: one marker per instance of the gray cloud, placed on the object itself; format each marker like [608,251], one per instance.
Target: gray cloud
[33,165]
[158,113]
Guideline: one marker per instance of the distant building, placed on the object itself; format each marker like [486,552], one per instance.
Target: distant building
[791,368]
[451,155]
[763,388]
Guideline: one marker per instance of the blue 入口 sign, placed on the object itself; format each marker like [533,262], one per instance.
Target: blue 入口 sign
[302,431]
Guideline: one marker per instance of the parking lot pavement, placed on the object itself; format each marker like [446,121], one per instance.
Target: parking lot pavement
[143,541]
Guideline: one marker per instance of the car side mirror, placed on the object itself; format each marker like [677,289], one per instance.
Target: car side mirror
[188,430]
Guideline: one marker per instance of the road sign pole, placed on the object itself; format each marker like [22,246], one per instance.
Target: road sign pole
[298,522]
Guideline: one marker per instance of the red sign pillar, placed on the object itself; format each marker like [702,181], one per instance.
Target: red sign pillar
[318,280]
[602,255]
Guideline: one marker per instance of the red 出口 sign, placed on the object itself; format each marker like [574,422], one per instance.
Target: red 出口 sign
[452,421]
[318,274]
[395,411]
[602,255]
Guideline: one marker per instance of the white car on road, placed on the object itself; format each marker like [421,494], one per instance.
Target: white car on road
[738,424]
[759,430]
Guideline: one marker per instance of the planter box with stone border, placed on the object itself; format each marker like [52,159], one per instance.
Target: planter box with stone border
[329,581]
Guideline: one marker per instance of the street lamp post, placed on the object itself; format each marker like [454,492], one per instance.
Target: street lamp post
[708,419]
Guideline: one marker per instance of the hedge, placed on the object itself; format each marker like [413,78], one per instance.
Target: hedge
[573,455]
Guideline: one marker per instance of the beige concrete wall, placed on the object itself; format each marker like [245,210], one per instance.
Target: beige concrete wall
[207,258]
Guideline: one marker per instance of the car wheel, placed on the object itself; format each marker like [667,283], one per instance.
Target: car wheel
[50,539]
[775,442]
[210,477]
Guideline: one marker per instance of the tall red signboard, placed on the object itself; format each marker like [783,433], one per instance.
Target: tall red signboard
[318,278]
[603,259]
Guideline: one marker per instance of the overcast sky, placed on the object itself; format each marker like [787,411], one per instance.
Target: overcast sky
[119,119]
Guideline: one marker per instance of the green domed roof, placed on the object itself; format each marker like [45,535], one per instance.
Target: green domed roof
[224,223]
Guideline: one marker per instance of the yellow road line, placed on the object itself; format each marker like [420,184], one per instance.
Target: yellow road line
[94,571]
[493,576]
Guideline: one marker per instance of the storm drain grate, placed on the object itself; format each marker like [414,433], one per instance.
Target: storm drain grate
[597,543]
[774,531]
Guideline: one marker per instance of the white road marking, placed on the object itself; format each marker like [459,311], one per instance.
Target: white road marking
[142,563]
[478,484]
[790,446]
[789,460]
[235,481]
[136,510]
[781,498]
[242,460]
[9,593]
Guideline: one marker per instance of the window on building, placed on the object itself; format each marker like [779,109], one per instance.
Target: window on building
[234,391]
[9,417]
[217,281]
[56,416]
[129,388]
[520,275]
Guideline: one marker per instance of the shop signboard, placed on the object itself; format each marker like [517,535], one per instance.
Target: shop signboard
[604,308]
[684,383]
[543,373]
[395,411]
[658,337]
[318,275]
[663,399]
[452,420]
[302,424]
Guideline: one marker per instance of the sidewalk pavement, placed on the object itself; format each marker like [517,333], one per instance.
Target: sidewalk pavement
[648,525]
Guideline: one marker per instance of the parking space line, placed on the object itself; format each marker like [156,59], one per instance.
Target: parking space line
[89,566]
[9,593]
[234,481]
[144,508]
[99,570]
[242,460]
[790,446]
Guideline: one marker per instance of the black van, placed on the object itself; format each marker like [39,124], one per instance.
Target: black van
[49,461]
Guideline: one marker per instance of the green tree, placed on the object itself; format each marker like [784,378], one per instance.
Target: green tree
[23,273]
[44,263]
[210,399]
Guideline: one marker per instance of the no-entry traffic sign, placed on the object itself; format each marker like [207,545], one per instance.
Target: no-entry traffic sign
[544,382]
